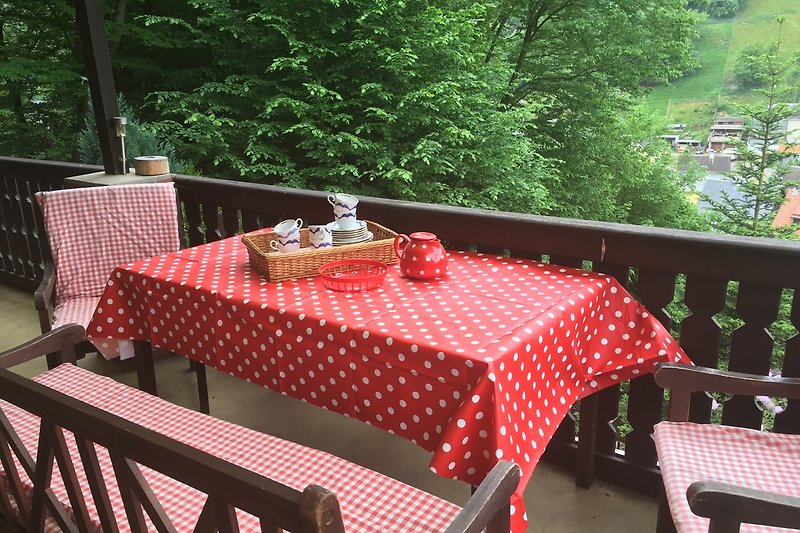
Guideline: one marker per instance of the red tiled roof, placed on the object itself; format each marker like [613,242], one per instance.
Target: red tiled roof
[784,149]
[789,210]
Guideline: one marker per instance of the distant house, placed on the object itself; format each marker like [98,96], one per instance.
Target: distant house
[672,140]
[717,143]
[724,132]
[682,145]
[789,212]
[717,187]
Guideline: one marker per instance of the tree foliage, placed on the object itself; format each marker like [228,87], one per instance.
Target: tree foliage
[585,61]
[526,105]
[751,69]
[42,93]
[759,174]
[139,140]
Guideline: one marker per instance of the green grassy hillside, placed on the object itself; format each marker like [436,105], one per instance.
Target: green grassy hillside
[695,98]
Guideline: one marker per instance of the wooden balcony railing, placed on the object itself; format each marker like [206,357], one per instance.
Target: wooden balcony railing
[22,243]
[649,261]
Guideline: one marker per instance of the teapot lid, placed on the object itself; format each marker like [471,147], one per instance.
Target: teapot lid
[423,236]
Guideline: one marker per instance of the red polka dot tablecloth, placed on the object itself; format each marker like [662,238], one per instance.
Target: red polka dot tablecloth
[479,366]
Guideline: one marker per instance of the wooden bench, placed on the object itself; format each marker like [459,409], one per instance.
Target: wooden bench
[129,461]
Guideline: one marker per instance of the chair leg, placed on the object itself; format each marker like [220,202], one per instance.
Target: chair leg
[665,523]
[202,385]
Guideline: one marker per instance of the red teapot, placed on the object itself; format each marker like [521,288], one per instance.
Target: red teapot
[421,254]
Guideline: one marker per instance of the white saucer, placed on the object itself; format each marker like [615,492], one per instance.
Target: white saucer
[353,240]
[362,225]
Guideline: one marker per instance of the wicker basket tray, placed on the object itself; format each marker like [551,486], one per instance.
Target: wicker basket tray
[275,266]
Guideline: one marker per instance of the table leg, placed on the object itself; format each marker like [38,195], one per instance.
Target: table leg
[587,441]
[202,384]
[145,368]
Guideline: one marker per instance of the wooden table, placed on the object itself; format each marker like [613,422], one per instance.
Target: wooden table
[479,366]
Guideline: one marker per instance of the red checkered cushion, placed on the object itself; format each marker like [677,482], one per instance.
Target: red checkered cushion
[370,501]
[94,229]
[755,459]
[75,311]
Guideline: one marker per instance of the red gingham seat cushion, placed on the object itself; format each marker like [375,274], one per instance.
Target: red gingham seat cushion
[91,230]
[370,502]
[691,452]
[75,311]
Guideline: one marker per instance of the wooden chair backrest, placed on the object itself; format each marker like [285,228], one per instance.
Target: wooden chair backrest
[130,445]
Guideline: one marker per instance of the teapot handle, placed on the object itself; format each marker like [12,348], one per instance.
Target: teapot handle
[397,240]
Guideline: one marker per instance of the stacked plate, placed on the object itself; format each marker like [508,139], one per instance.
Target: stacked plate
[350,236]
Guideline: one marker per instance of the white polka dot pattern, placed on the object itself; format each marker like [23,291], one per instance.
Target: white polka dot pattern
[369,501]
[478,366]
[749,458]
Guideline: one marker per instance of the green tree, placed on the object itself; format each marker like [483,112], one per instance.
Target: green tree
[42,92]
[139,140]
[759,178]
[386,98]
[723,8]
[751,70]
[586,63]
[759,174]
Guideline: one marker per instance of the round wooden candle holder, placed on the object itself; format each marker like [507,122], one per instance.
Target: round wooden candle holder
[151,165]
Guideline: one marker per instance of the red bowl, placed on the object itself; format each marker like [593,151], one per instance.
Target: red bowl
[353,275]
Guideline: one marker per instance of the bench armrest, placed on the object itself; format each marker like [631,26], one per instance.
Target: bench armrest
[489,506]
[729,505]
[61,340]
[683,380]
[44,295]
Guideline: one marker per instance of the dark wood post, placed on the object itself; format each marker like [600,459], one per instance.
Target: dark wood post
[89,17]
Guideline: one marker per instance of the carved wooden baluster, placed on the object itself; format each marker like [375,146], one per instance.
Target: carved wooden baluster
[32,258]
[701,333]
[455,245]
[212,223]
[525,254]
[5,229]
[656,289]
[563,260]
[789,420]
[608,398]
[751,347]
[566,430]
[249,221]
[490,249]
[230,222]
[39,234]
[14,225]
[194,223]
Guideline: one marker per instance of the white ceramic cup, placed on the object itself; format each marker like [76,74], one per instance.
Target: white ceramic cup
[320,236]
[288,233]
[344,210]
[284,247]
[286,228]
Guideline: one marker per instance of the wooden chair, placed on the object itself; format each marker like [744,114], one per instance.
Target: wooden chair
[728,475]
[142,458]
[91,230]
